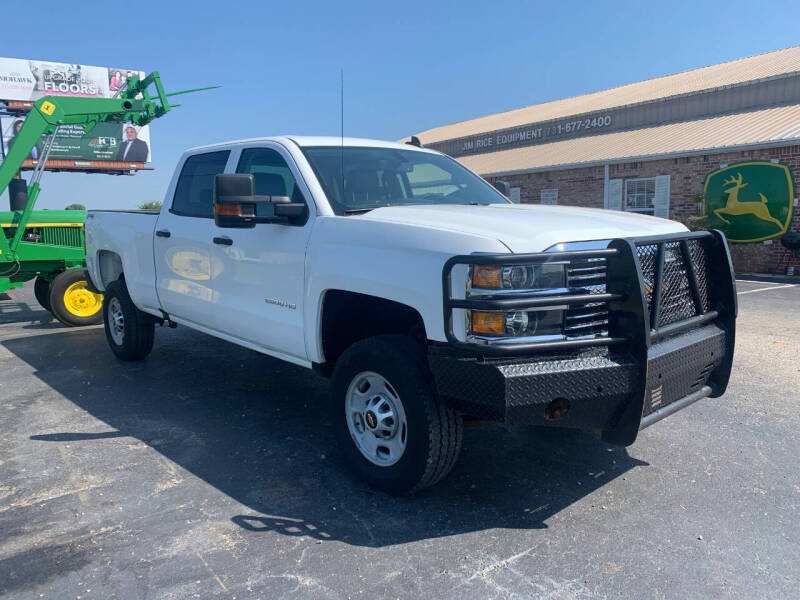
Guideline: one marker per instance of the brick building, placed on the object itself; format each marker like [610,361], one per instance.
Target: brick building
[656,147]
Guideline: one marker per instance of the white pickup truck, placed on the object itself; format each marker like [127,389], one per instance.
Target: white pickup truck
[424,293]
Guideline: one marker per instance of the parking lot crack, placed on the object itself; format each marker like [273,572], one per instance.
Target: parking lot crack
[500,564]
[211,571]
[47,495]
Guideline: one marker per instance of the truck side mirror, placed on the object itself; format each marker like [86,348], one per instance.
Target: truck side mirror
[235,202]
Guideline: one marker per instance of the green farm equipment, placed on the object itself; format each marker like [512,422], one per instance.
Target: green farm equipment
[49,245]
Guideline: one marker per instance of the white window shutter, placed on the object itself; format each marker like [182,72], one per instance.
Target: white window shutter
[662,196]
[614,196]
[549,196]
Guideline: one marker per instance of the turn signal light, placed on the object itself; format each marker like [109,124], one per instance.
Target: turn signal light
[488,323]
[487,277]
[228,209]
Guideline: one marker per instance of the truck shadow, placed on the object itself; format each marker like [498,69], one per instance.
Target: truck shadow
[258,430]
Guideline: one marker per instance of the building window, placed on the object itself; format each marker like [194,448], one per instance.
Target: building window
[514,195]
[549,196]
[640,195]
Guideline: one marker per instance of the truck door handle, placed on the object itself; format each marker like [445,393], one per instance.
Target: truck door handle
[225,241]
[163,233]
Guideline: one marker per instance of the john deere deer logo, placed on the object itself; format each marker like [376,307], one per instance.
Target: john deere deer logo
[749,201]
[735,207]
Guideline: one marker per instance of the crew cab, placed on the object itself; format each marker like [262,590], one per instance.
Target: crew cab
[423,293]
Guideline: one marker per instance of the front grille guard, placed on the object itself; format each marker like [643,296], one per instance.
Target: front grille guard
[637,318]
[642,308]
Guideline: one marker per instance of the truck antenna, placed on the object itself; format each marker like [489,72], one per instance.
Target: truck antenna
[341,120]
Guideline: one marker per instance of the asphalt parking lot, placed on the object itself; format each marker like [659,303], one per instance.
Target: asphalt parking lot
[210,471]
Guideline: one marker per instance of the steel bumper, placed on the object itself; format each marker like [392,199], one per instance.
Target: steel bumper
[610,393]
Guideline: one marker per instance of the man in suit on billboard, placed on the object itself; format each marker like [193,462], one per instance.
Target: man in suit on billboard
[132,149]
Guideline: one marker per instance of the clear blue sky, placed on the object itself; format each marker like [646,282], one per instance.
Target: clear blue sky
[408,66]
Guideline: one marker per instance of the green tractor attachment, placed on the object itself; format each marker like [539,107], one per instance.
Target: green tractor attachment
[49,245]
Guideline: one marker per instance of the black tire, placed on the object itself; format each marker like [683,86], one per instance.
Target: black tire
[70,315]
[434,431]
[41,289]
[138,328]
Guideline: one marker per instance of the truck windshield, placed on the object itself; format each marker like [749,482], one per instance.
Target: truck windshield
[357,179]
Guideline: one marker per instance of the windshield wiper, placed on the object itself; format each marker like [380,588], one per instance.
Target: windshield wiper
[366,209]
[360,211]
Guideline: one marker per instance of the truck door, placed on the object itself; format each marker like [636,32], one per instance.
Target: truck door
[186,269]
[261,274]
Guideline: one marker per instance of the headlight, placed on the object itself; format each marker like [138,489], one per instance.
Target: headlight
[488,280]
[546,321]
[519,277]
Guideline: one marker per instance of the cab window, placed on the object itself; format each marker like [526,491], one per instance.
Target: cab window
[194,191]
[271,177]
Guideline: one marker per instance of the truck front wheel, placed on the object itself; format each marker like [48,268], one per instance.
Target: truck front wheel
[71,301]
[129,331]
[392,429]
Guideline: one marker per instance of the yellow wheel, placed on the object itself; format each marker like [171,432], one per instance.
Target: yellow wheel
[72,302]
[80,302]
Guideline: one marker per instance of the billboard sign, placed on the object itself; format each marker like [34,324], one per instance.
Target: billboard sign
[29,80]
[106,142]
[26,81]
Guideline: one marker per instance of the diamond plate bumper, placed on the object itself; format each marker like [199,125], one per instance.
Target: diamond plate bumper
[602,390]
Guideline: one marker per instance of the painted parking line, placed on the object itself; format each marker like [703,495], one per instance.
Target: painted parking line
[761,282]
[766,289]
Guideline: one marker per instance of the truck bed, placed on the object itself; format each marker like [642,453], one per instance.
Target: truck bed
[126,236]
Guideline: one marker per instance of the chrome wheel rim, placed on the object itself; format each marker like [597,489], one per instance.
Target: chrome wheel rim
[116,321]
[376,419]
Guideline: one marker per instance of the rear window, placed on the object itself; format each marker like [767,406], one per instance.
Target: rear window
[194,192]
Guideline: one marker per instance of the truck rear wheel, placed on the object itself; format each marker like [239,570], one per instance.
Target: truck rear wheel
[129,331]
[41,289]
[392,429]
[71,301]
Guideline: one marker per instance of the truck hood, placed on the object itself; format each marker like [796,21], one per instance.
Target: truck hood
[528,227]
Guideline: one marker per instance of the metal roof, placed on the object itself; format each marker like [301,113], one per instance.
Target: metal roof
[759,67]
[750,129]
